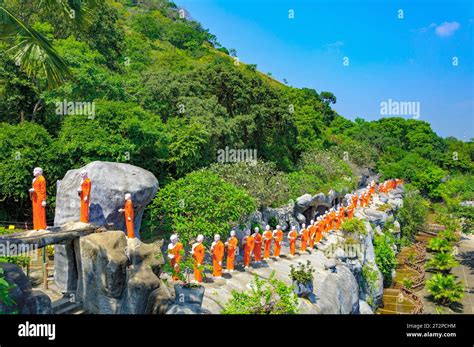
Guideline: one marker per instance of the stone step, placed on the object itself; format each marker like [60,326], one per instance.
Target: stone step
[72,308]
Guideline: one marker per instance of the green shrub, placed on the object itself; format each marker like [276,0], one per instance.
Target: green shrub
[445,289]
[385,258]
[200,203]
[449,236]
[439,244]
[20,260]
[412,215]
[302,274]
[442,261]
[265,297]
[354,226]
[5,288]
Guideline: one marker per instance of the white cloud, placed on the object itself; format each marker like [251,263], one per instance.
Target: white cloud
[447,29]
[443,30]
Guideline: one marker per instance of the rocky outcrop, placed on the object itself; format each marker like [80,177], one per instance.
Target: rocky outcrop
[110,182]
[26,300]
[338,293]
[116,276]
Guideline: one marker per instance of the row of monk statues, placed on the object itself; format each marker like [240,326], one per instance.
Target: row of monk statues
[38,199]
[257,246]
[261,246]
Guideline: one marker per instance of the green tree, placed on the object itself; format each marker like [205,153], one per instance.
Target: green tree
[200,203]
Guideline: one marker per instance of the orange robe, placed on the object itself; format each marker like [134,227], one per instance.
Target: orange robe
[267,243]
[198,255]
[350,212]
[304,239]
[257,251]
[293,235]
[217,251]
[278,236]
[248,249]
[37,197]
[355,199]
[128,212]
[232,245]
[176,259]
[332,220]
[312,235]
[319,231]
[85,192]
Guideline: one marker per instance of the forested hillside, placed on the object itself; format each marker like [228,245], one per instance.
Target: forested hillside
[167,97]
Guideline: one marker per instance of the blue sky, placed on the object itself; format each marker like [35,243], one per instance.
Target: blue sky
[407,59]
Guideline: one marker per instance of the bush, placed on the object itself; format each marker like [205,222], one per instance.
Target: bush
[5,287]
[354,226]
[302,274]
[385,258]
[443,262]
[445,289]
[199,203]
[412,215]
[438,244]
[265,297]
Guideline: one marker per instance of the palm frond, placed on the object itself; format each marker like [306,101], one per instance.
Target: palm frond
[32,51]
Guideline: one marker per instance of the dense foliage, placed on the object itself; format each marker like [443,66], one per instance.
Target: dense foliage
[167,97]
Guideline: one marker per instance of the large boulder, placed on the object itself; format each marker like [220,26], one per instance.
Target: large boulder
[118,276]
[110,182]
[26,300]
[103,271]
[338,293]
[375,216]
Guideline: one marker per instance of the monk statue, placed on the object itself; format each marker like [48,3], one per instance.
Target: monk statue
[38,199]
[84,193]
[127,210]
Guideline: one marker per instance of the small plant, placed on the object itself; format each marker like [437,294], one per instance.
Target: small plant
[270,296]
[384,207]
[50,250]
[369,278]
[442,262]
[438,244]
[302,274]
[445,289]
[354,226]
[408,283]
[5,288]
